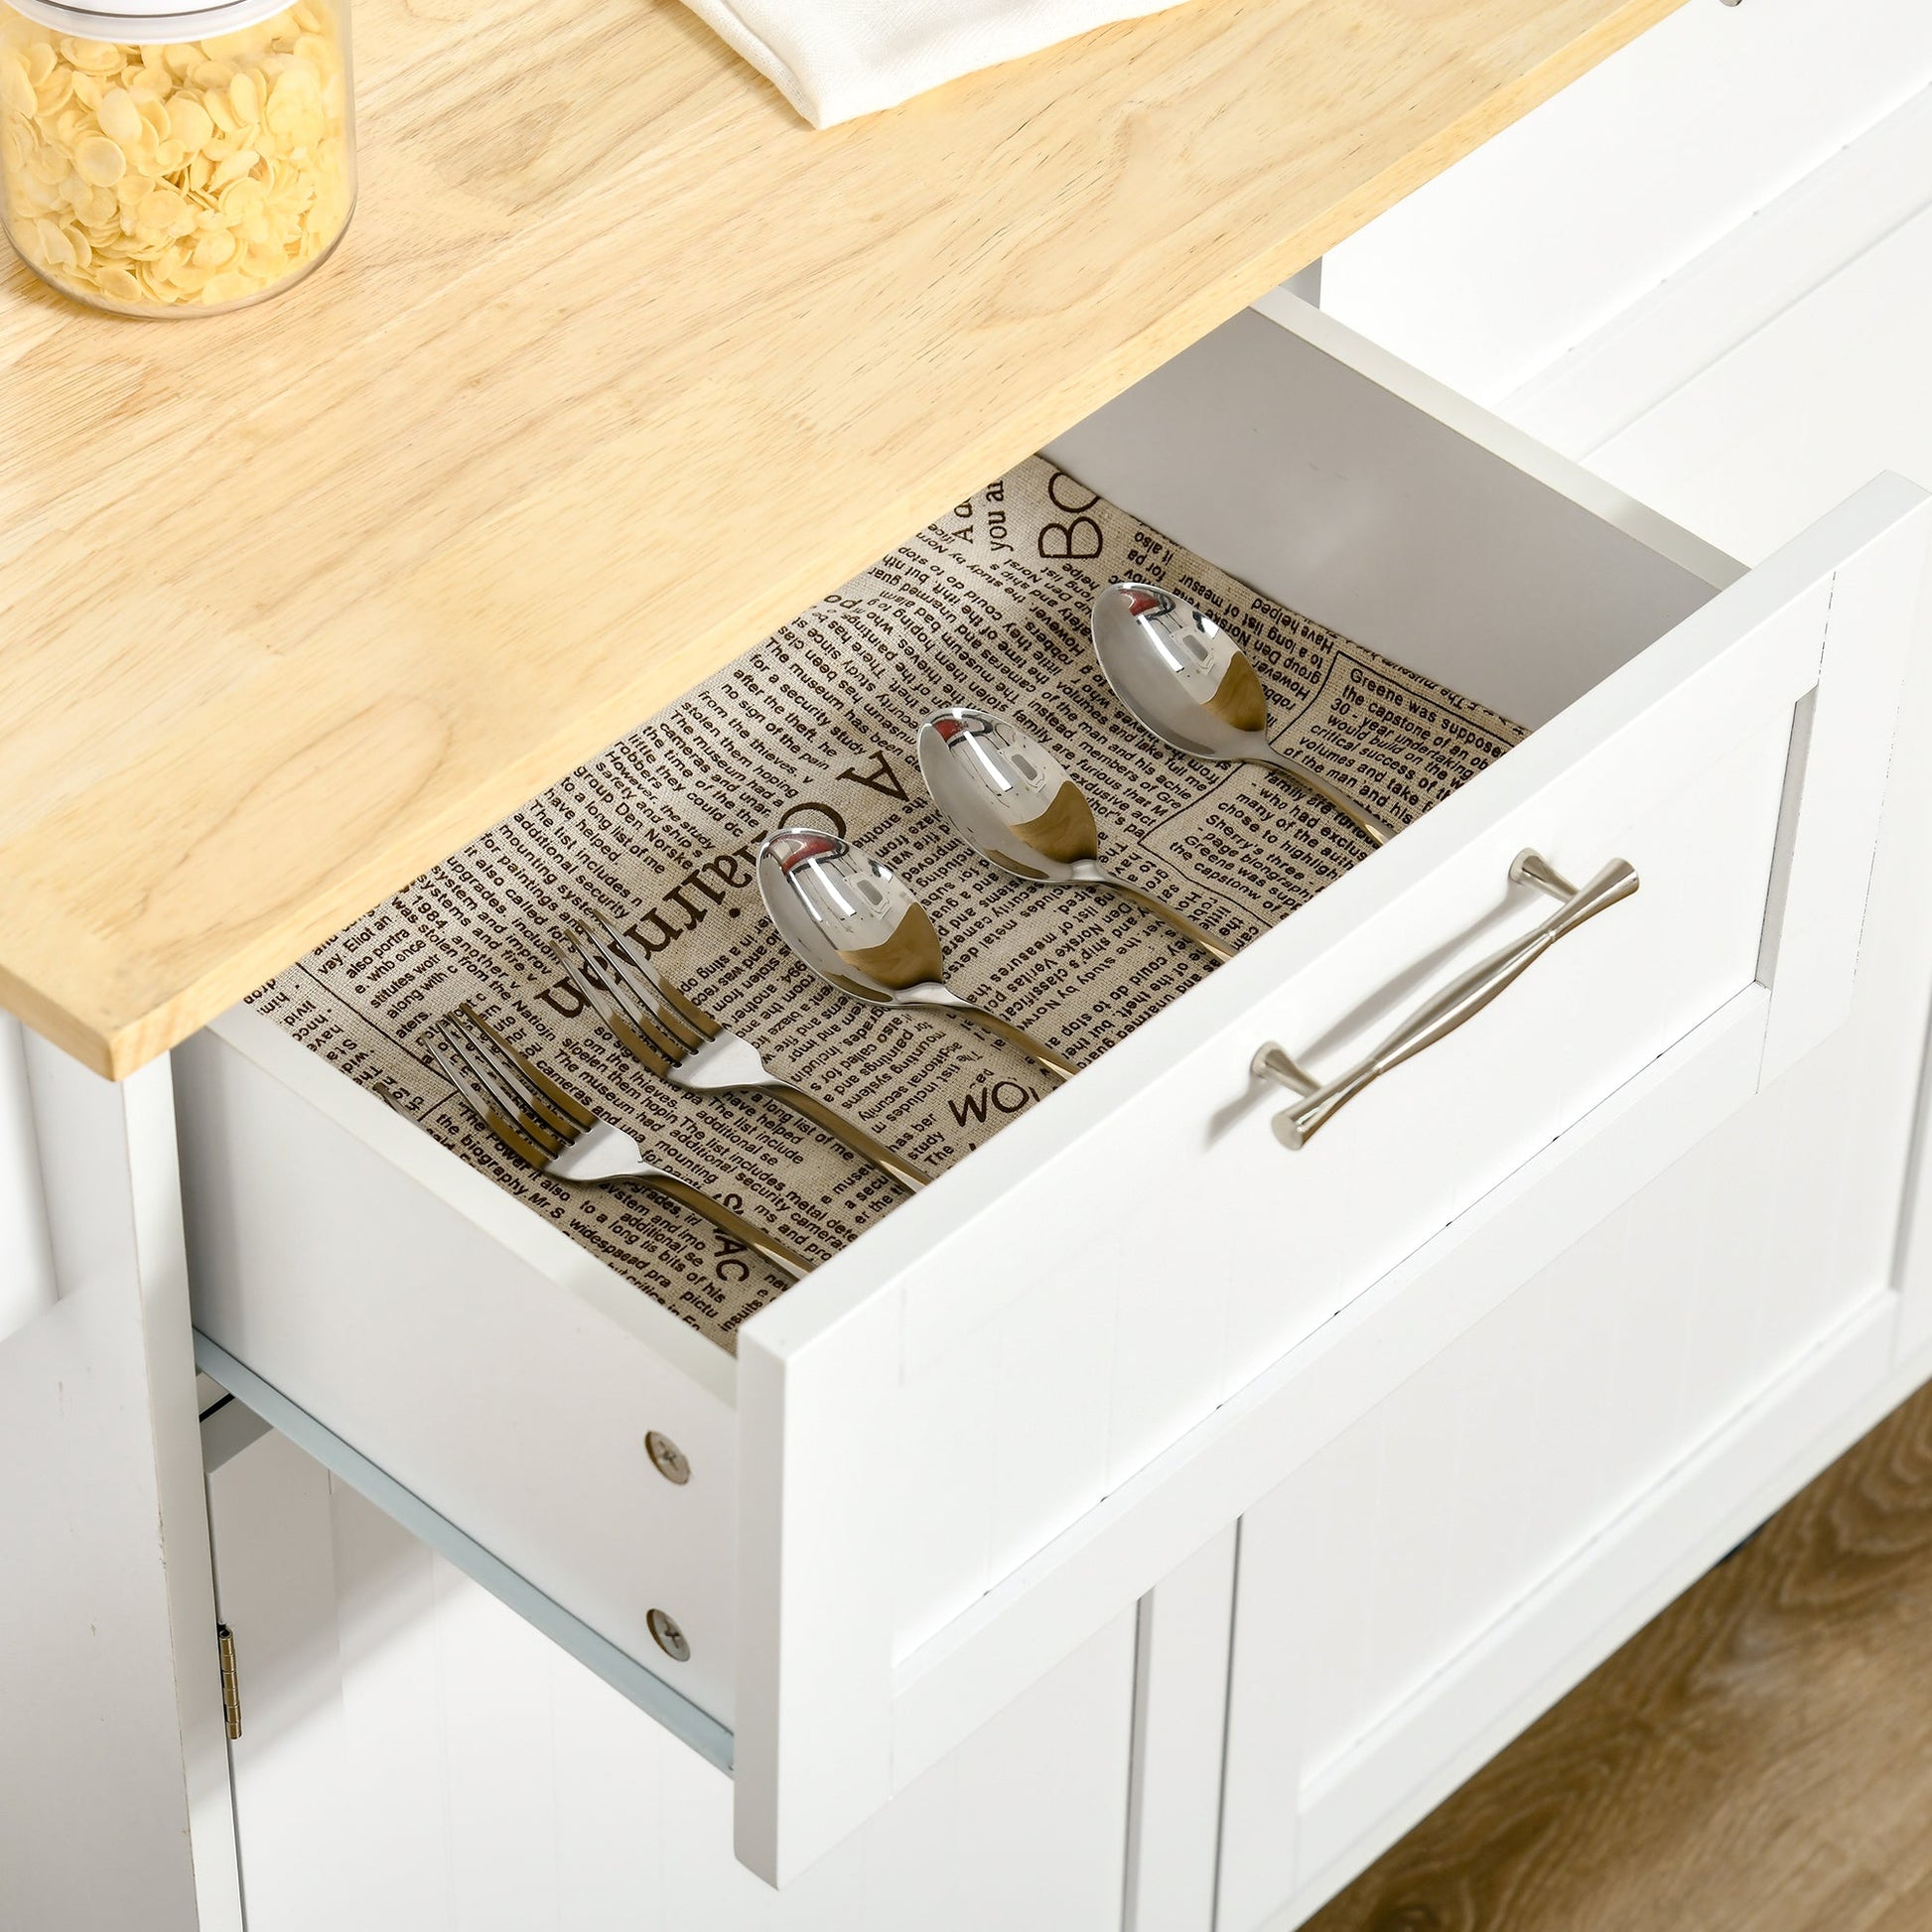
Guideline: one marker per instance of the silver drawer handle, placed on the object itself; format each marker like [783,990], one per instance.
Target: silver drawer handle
[1459,1002]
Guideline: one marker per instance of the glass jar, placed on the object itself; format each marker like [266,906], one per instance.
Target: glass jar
[177,163]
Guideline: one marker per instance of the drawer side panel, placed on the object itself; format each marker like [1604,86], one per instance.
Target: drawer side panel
[509,1403]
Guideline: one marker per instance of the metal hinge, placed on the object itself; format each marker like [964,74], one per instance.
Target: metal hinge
[230,1683]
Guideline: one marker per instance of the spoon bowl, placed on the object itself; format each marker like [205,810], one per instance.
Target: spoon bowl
[1190,685]
[860,928]
[1014,803]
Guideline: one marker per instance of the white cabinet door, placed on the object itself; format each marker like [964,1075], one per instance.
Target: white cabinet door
[1439,1574]
[414,1757]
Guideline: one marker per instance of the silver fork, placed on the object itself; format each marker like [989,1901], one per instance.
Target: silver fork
[681,1043]
[541,1124]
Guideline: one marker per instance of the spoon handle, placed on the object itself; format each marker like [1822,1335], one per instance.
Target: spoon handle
[788,1260]
[1027,1044]
[854,1135]
[1183,925]
[1373,829]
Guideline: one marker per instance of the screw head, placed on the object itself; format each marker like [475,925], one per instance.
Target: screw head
[666,1457]
[670,1639]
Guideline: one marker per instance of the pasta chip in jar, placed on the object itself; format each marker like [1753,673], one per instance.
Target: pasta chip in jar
[171,177]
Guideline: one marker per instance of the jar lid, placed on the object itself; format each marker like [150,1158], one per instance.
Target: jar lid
[148,22]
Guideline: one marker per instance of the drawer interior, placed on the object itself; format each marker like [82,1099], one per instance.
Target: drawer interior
[507,1375]
[657,839]
[1405,600]
[1350,487]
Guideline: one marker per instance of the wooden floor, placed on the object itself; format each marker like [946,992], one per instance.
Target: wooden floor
[1760,1757]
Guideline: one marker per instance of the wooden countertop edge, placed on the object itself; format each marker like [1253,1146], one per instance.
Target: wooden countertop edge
[119,1040]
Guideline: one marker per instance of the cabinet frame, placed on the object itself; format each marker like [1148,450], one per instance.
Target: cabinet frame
[830,1722]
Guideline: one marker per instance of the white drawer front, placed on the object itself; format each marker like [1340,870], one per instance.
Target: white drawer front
[1177,1250]
[956,1451]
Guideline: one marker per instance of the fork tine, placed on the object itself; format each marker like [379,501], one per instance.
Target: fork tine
[607,1008]
[649,1016]
[571,1110]
[526,1107]
[646,985]
[676,998]
[619,990]
[546,1128]
[518,1143]
[483,1075]
[457,1075]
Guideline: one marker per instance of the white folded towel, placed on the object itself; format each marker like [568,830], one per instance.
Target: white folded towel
[834,59]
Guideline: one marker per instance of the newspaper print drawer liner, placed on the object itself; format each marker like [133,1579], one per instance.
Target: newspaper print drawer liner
[660,835]
[941,1457]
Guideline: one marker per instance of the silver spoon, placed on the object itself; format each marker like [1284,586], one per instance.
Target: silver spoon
[1187,680]
[856,926]
[1012,802]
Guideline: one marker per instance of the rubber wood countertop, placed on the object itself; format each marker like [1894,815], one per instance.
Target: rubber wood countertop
[621,366]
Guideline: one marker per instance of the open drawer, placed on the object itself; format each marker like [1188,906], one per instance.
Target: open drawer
[985,1427]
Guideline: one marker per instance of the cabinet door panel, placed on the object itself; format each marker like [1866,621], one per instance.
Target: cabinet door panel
[415,1759]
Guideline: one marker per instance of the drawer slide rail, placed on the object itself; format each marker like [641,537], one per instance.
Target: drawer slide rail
[643,1688]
